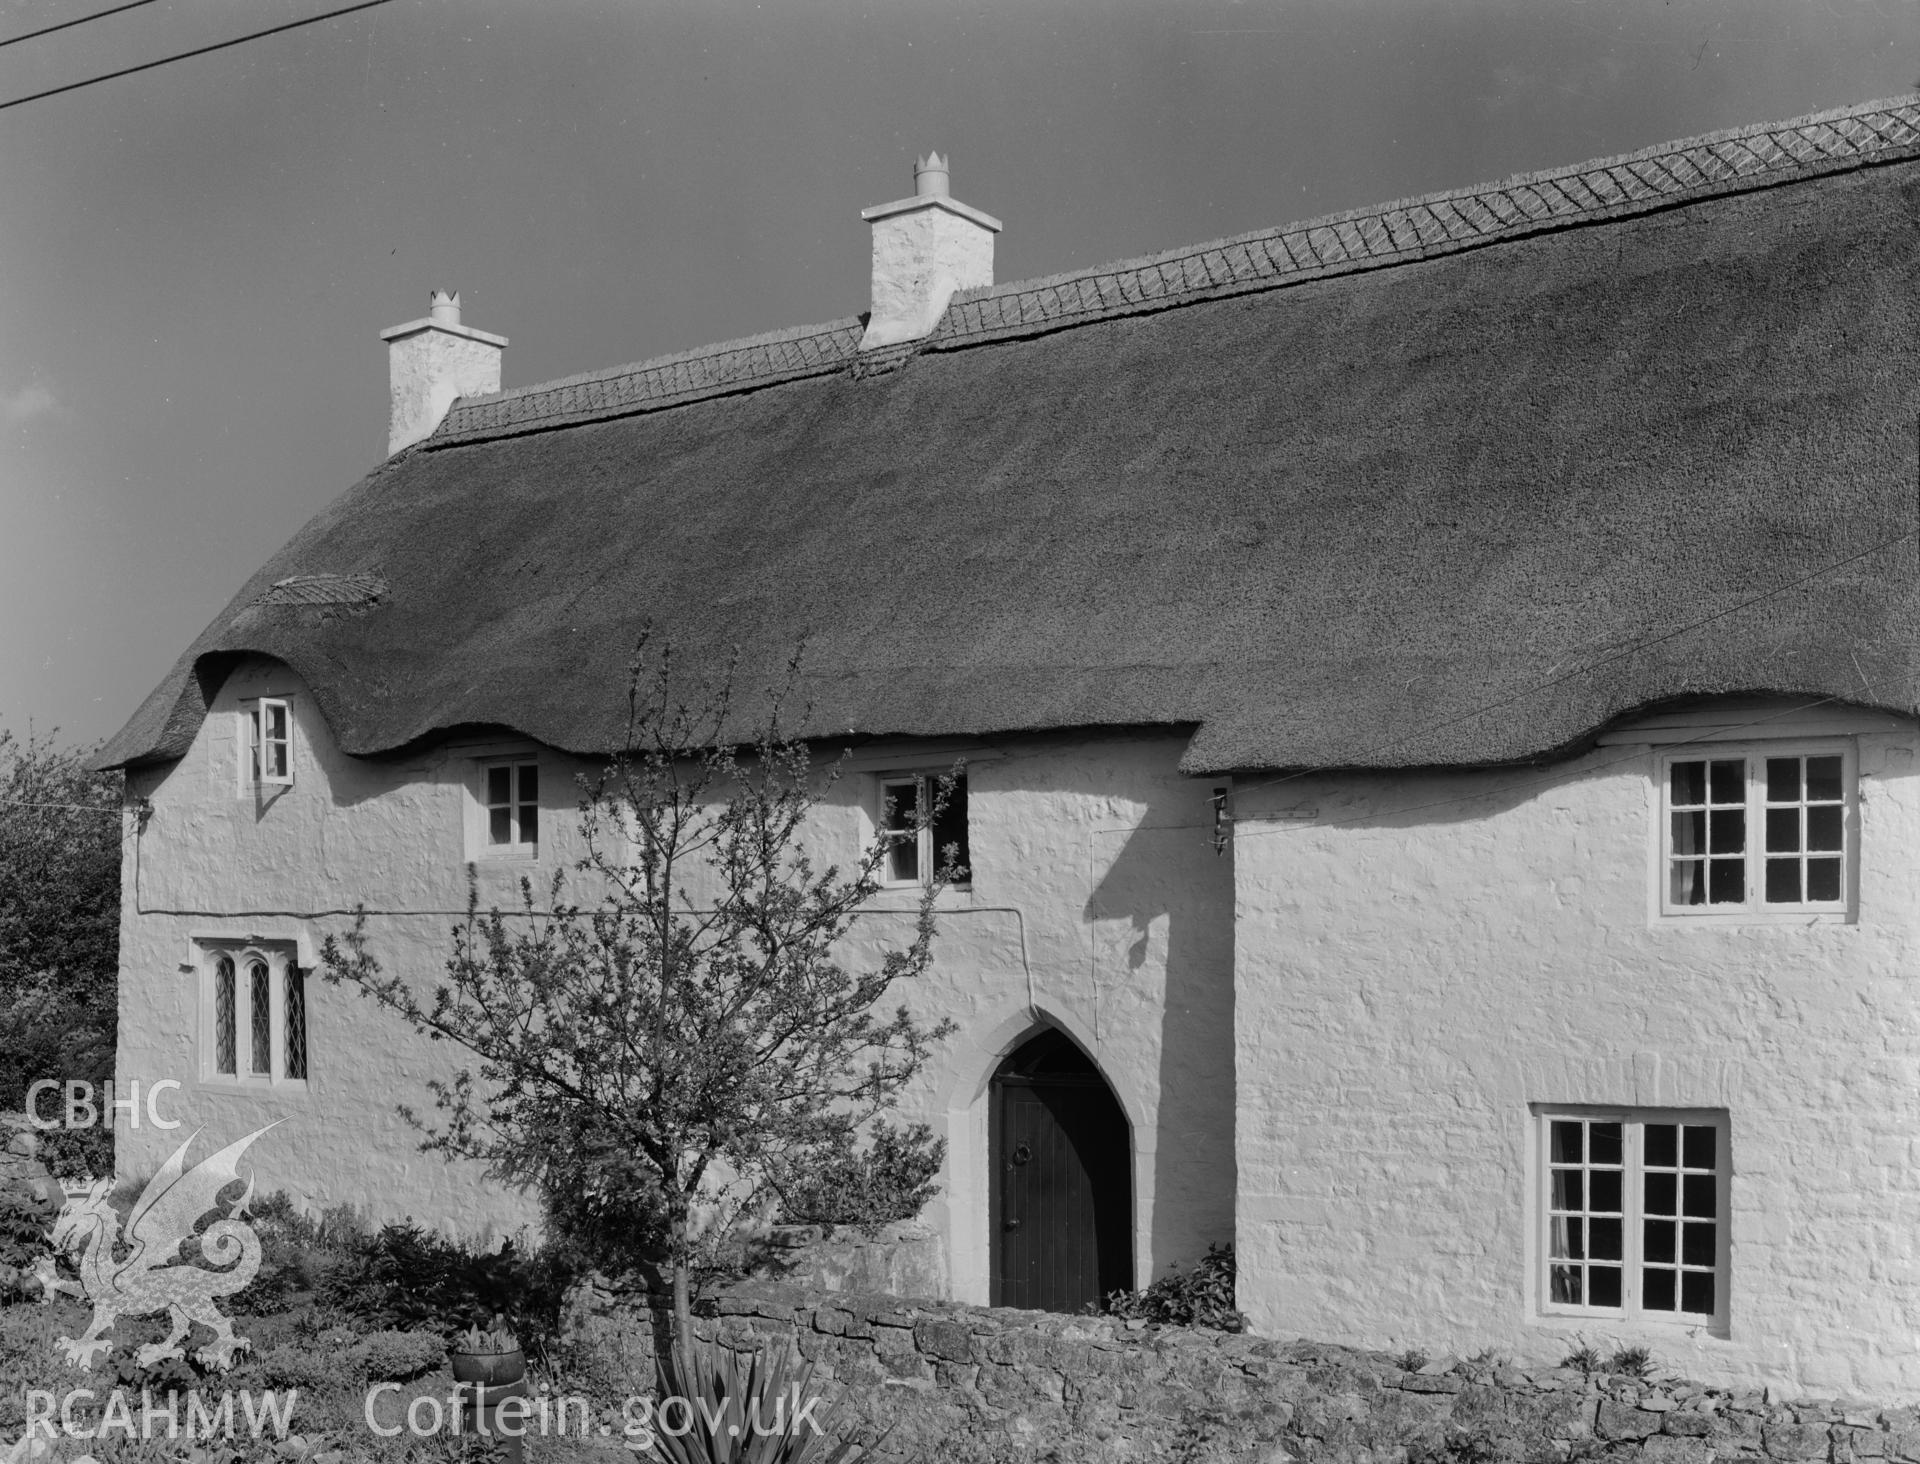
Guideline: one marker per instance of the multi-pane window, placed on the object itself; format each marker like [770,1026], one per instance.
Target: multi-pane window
[270,733]
[1755,831]
[918,848]
[512,807]
[1636,1211]
[1806,830]
[256,1015]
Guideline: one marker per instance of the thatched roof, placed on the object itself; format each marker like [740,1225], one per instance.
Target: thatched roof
[1454,481]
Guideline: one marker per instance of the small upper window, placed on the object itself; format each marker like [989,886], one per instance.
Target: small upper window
[513,808]
[1756,831]
[270,734]
[918,849]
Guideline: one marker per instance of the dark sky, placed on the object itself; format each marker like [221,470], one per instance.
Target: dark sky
[196,263]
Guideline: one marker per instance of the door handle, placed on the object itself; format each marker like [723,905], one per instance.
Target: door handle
[1013,1225]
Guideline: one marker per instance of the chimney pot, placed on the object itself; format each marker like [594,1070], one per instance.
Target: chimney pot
[930,177]
[433,362]
[924,249]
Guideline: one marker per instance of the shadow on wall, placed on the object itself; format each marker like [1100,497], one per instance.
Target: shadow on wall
[1161,923]
[1406,798]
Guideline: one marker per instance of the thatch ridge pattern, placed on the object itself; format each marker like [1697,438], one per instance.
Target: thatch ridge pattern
[1419,228]
[667,381]
[1370,238]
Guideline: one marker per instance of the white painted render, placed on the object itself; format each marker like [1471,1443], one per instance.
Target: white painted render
[1097,905]
[924,249]
[430,364]
[1421,957]
[1401,965]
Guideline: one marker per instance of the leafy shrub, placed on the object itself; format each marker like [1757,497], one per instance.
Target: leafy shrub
[408,1278]
[82,1153]
[603,1209]
[59,934]
[1635,1362]
[1583,1357]
[890,1180]
[1200,1297]
[391,1356]
[162,1379]
[307,1368]
[1412,1360]
[23,1228]
[295,1249]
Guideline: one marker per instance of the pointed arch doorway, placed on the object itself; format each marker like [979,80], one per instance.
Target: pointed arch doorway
[1060,1203]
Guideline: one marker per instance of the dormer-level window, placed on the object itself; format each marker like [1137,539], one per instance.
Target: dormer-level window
[270,738]
[1757,830]
[512,797]
[918,849]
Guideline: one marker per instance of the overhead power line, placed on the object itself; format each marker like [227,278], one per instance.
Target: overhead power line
[47,30]
[188,55]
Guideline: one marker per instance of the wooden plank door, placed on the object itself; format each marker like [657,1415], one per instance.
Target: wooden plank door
[1061,1202]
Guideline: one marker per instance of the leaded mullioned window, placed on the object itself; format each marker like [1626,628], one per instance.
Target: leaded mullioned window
[257,1024]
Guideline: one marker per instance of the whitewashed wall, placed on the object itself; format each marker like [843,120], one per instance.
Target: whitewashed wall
[1097,905]
[1421,957]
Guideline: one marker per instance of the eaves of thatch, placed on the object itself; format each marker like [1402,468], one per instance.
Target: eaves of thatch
[1454,481]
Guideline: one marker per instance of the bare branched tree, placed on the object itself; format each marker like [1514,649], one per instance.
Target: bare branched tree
[696,1037]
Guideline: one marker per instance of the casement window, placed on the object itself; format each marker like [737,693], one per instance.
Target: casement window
[1634,1212]
[255,1025]
[1757,830]
[270,742]
[918,848]
[510,794]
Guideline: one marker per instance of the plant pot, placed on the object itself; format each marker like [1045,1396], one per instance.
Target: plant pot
[489,1368]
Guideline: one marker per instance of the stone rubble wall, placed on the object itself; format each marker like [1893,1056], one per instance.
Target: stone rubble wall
[965,1384]
[906,1258]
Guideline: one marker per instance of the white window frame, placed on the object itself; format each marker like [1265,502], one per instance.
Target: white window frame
[1634,1122]
[279,957]
[926,855]
[482,845]
[254,743]
[1755,907]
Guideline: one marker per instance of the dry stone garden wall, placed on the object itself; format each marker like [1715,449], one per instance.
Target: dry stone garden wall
[966,1385]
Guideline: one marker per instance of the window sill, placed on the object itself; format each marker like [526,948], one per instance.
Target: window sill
[1577,1318]
[232,1086]
[1674,919]
[950,894]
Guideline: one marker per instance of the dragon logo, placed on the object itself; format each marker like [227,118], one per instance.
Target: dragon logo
[150,1278]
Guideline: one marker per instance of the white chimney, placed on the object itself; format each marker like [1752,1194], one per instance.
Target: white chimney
[431,362]
[924,248]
